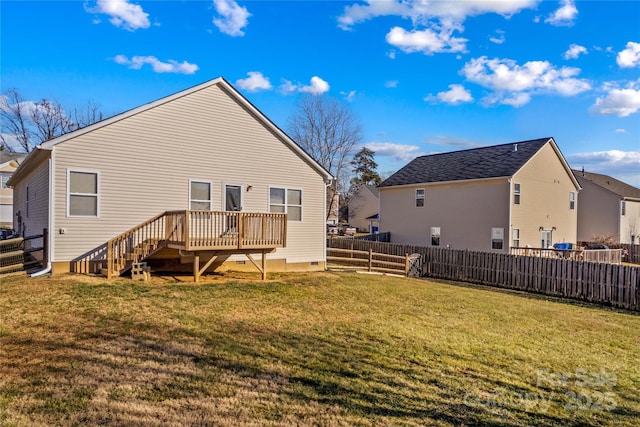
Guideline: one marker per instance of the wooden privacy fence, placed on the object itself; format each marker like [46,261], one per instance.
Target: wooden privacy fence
[406,265]
[18,254]
[601,283]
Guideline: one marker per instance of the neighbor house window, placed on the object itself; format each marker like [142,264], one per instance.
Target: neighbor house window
[419,197]
[286,200]
[572,200]
[82,193]
[435,236]
[199,195]
[497,238]
[516,194]
[623,208]
[5,178]
[516,237]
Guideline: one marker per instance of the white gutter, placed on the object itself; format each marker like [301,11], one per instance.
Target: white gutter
[47,269]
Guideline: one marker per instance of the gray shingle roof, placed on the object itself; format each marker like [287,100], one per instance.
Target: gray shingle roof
[477,163]
[618,187]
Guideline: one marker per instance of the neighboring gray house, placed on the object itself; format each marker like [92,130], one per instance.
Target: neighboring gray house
[198,177]
[608,208]
[485,199]
[363,208]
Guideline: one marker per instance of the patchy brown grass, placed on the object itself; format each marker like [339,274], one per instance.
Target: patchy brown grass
[308,349]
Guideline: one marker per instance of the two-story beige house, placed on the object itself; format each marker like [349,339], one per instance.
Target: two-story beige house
[196,179]
[485,199]
[363,208]
[608,208]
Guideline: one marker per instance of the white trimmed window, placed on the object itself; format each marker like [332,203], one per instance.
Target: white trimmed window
[572,200]
[82,193]
[420,196]
[516,194]
[516,237]
[497,238]
[286,200]
[435,236]
[199,195]
[623,208]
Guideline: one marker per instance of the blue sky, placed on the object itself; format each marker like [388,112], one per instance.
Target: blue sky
[422,76]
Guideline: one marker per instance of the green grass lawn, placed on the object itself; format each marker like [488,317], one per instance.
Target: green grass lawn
[308,349]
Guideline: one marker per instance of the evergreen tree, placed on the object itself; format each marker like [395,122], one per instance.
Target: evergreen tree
[364,168]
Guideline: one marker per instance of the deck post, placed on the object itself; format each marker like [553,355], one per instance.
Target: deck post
[240,222]
[196,267]
[187,243]
[109,260]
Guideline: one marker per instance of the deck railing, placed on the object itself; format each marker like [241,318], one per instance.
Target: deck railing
[611,256]
[196,230]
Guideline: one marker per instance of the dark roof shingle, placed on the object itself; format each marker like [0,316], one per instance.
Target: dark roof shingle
[486,162]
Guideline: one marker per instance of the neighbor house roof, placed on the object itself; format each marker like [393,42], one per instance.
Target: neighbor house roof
[35,155]
[374,190]
[618,187]
[478,163]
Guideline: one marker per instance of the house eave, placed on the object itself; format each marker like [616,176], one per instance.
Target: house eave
[459,181]
[33,159]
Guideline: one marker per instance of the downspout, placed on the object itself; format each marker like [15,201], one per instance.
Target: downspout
[48,267]
[509,224]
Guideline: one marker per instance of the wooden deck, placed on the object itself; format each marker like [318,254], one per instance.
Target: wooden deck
[199,232]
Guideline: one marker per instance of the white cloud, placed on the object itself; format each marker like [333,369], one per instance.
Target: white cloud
[621,131]
[317,86]
[499,39]
[612,162]
[136,63]
[391,83]
[255,82]
[450,141]
[432,21]
[456,94]
[629,57]
[391,54]
[349,96]
[421,11]
[400,152]
[514,84]
[565,15]
[233,18]
[123,14]
[618,101]
[427,41]
[574,51]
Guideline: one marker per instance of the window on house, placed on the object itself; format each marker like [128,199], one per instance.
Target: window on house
[420,197]
[82,193]
[516,194]
[623,208]
[286,200]
[546,238]
[5,178]
[572,200]
[497,238]
[516,237]
[435,236]
[199,195]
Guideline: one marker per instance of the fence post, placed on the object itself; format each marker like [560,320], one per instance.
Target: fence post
[406,265]
[45,247]
[370,258]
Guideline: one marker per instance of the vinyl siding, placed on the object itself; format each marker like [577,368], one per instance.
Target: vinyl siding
[38,183]
[465,212]
[145,162]
[362,205]
[544,200]
[598,212]
[630,223]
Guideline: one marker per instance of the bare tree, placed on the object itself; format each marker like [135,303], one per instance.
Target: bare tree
[329,132]
[26,124]
[15,114]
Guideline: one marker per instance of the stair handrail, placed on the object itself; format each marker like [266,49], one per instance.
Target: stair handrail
[111,244]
